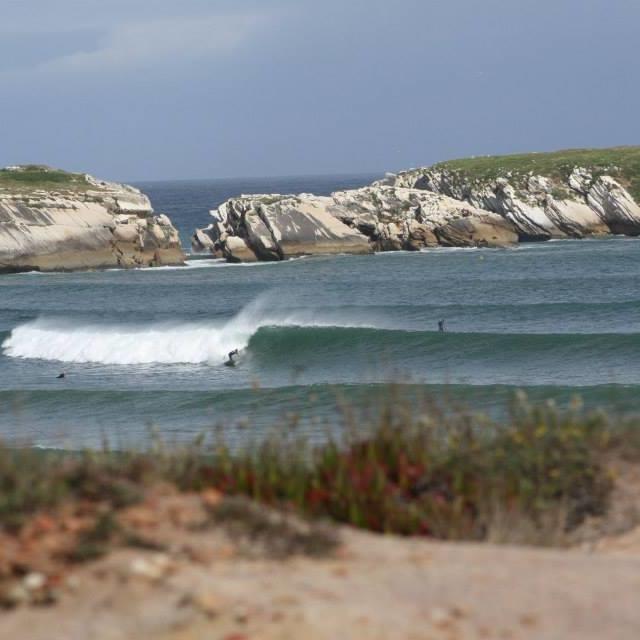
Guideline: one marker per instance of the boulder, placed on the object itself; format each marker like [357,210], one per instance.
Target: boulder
[420,236]
[614,206]
[237,250]
[201,241]
[303,225]
[487,231]
[277,227]
[260,238]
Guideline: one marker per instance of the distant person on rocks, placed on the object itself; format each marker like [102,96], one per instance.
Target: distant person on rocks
[441,326]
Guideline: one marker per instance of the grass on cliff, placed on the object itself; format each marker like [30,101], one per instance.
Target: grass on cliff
[408,470]
[620,162]
[33,177]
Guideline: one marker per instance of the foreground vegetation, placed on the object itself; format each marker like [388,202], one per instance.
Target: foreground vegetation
[620,162]
[418,471]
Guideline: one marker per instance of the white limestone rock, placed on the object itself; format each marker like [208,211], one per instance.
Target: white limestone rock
[277,227]
[381,218]
[84,224]
[540,208]
[401,218]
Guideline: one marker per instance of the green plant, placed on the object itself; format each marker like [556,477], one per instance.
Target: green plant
[94,542]
[31,177]
[405,466]
[621,162]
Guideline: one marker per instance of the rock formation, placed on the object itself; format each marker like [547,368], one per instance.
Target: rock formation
[277,227]
[484,202]
[395,218]
[53,220]
[380,218]
[563,200]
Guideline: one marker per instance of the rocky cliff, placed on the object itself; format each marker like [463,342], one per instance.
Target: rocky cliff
[479,202]
[396,218]
[379,218]
[54,220]
[548,195]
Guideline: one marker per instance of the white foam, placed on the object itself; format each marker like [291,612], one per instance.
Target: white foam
[24,273]
[437,250]
[206,342]
[235,265]
[203,263]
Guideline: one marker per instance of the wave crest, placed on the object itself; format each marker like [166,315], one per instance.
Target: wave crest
[202,342]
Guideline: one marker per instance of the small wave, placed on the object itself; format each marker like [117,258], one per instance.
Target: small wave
[25,273]
[204,263]
[436,250]
[224,263]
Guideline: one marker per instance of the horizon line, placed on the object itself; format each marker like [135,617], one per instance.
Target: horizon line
[354,174]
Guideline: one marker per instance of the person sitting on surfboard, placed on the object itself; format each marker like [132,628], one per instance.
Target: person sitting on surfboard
[441,326]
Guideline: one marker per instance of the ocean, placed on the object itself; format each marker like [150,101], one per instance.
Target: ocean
[143,350]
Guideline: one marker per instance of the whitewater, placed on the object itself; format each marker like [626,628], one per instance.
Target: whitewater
[169,342]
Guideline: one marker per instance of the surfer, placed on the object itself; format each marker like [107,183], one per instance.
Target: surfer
[61,375]
[231,362]
[441,326]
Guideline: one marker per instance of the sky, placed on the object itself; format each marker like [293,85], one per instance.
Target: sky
[159,89]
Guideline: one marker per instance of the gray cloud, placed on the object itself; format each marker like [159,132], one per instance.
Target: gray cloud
[158,88]
[116,36]
[138,46]
[27,50]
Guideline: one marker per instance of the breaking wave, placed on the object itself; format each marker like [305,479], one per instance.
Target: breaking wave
[171,342]
[290,336]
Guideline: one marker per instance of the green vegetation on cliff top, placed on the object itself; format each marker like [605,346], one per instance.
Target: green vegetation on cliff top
[32,177]
[622,163]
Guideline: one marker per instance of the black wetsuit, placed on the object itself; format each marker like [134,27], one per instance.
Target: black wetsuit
[231,362]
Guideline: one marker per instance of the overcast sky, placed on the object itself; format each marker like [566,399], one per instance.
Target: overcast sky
[160,89]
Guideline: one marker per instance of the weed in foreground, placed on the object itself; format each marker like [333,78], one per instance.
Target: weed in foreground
[408,470]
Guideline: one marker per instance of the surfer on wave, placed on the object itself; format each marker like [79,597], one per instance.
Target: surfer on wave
[231,362]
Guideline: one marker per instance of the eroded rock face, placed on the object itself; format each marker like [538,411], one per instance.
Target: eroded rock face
[466,204]
[540,208]
[396,218]
[277,227]
[90,224]
[380,218]
[484,231]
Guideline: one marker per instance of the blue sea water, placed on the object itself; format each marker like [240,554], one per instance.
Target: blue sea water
[145,349]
